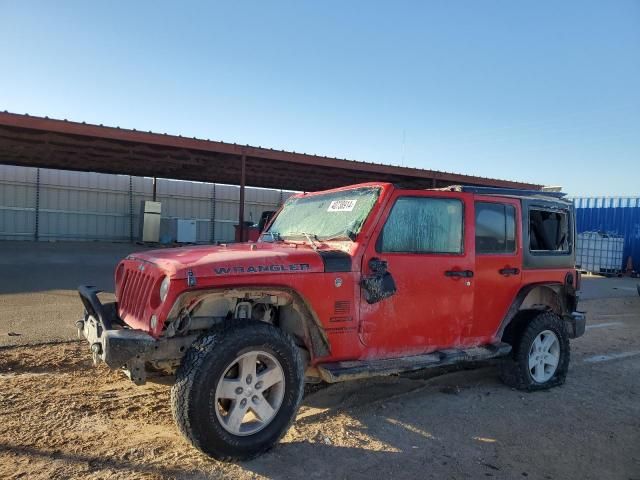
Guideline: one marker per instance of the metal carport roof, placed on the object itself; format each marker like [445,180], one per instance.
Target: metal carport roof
[49,143]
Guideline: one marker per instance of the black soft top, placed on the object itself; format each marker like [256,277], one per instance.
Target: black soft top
[557,197]
[532,200]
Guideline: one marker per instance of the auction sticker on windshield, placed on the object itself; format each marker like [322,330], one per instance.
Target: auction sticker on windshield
[341,206]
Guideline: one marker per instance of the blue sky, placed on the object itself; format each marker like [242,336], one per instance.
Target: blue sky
[547,92]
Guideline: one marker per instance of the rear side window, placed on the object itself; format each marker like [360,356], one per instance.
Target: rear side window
[549,230]
[495,228]
[423,225]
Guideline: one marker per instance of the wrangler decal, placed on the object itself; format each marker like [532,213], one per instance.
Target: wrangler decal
[292,267]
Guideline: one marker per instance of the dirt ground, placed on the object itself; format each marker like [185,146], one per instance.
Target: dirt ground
[63,418]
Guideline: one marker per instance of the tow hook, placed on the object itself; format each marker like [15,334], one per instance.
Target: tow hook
[96,349]
[80,327]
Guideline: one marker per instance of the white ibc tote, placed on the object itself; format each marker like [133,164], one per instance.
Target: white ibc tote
[599,253]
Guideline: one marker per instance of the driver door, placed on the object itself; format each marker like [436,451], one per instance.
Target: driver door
[424,240]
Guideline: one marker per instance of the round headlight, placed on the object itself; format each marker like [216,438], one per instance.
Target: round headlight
[164,289]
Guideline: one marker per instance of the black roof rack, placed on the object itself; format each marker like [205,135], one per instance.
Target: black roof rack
[516,192]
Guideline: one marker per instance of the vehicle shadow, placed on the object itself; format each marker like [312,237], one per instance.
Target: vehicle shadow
[379,427]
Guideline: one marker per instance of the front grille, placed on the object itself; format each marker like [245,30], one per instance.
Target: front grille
[134,293]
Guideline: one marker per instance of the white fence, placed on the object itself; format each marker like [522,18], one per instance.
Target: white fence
[44,204]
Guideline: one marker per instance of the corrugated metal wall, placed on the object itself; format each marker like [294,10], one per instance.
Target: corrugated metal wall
[618,216]
[95,206]
[79,205]
[17,202]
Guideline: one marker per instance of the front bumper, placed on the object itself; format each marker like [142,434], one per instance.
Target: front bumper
[577,323]
[120,347]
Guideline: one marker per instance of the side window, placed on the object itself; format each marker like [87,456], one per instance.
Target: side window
[423,225]
[549,230]
[495,228]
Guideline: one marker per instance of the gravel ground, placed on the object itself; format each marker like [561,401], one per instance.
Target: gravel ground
[63,418]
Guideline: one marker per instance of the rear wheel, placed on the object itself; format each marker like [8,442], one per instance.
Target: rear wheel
[238,390]
[540,355]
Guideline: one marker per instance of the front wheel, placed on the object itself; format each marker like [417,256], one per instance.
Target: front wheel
[237,390]
[540,356]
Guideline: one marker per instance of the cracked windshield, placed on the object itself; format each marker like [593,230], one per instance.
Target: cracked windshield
[330,216]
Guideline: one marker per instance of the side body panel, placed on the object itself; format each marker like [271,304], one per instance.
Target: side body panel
[429,310]
[498,278]
[548,276]
[332,297]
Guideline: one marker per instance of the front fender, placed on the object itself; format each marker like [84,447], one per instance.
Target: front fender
[314,335]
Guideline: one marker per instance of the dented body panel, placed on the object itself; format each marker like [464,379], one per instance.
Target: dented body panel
[429,310]
[354,299]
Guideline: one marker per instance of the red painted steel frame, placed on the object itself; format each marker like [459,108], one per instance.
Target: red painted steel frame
[51,143]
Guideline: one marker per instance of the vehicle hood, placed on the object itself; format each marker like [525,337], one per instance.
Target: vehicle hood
[244,259]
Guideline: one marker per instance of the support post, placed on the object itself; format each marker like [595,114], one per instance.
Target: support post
[213,214]
[243,181]
[36,233]
[155,188]
[130,209]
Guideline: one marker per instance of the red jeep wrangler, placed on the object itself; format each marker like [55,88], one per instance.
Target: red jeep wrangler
[344,284]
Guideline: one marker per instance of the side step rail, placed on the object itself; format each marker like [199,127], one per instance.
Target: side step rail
[353,370]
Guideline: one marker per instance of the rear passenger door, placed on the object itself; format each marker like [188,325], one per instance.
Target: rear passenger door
[498,252]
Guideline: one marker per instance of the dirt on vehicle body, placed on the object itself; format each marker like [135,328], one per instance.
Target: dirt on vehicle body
[344,284]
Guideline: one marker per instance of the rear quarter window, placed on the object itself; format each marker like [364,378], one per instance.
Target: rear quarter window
[549,231]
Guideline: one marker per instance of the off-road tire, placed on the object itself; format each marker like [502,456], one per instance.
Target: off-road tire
[201,368]
[514,370]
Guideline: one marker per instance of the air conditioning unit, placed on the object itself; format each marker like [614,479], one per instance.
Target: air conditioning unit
[187,231]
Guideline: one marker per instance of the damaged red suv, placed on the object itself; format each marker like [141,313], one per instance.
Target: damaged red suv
[344,284]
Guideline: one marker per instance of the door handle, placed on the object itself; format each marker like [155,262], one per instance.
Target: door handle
[459,273]
[509,271]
